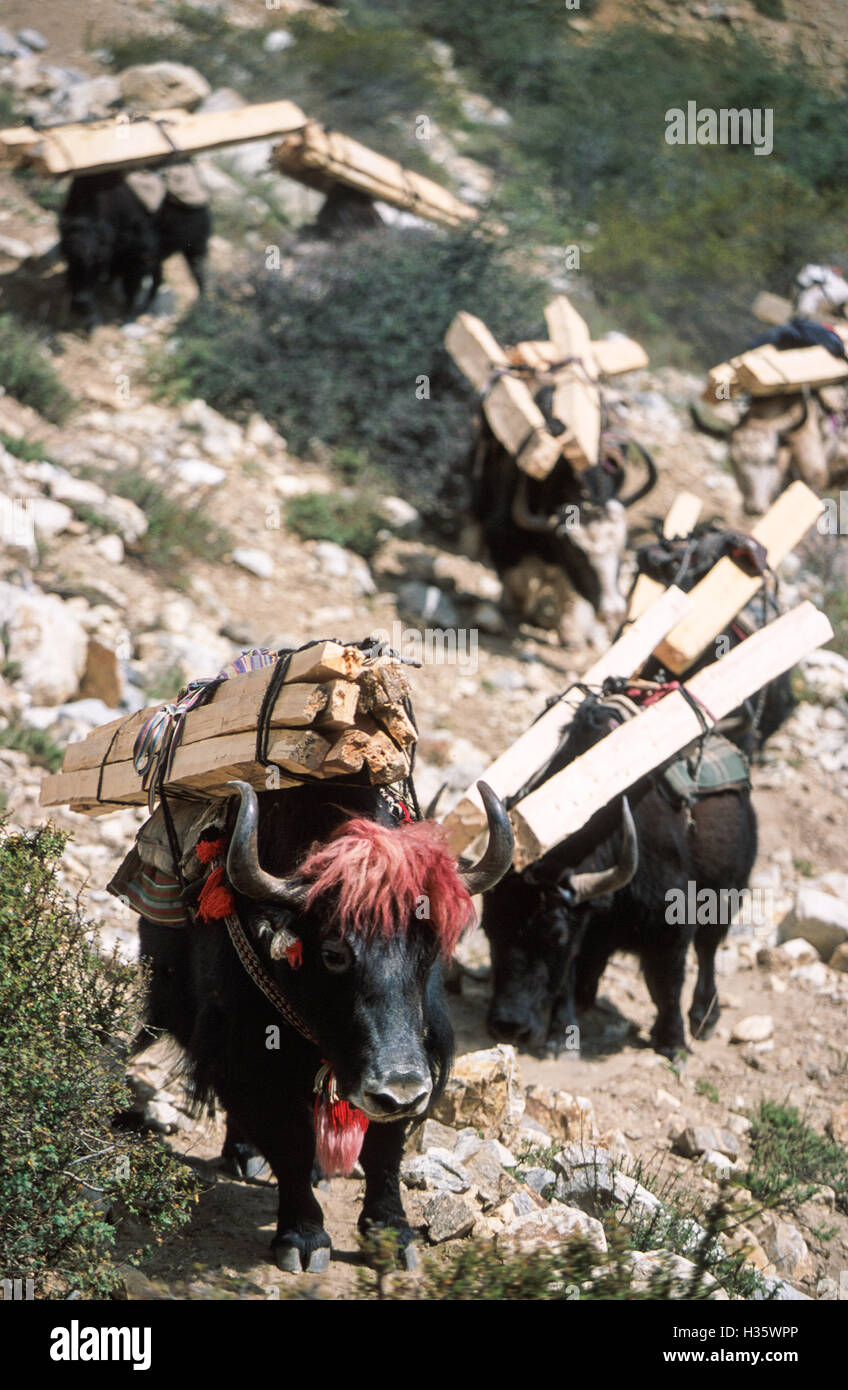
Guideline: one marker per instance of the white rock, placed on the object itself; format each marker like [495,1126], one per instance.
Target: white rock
[110,548]
[715,1165]
[47,640]
[819,918]
[278,40]
[160,86]
[14,248]
[257,562]
[50,518]
[817,974]
[754,1028]
[400,514]
[339,563]
[199,473]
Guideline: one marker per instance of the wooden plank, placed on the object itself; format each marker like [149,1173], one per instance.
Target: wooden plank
[569,799]
[385,762]
[772,308]
[347,754]
[725,590]
[298,750]
[341,703]
[326,661]
[161,136]
[507,403]
[577,398]
[332,155]
[722,382]
[766,371]
[618,354]
[537,745]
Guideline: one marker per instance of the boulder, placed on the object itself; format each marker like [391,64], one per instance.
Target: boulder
[46,639]
[838,1124]
[542,1228]
[565,1116]
[437,1170]
[819,917]
[752,1029]
[484,1092]
[786,1248]
[448,1217]
[102,678]
[160,86]
[695,1140]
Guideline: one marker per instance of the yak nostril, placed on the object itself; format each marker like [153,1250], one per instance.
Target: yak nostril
[397,1095]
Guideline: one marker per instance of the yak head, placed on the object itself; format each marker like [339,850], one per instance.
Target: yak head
[535,921]
[354,939]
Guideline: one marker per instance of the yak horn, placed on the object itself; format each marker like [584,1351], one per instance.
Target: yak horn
[497,857]
[524,519]
[243,868]
[592,885]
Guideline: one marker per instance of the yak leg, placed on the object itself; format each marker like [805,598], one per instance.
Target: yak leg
[286,1137]
[664,971]
[240,1157]
[197,265]
[382,1150]
[704,1011]
[591,964]
[155,282]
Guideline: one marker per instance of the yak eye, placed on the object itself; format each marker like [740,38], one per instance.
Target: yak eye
[337,956]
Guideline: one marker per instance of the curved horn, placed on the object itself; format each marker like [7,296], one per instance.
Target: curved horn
[788,429]
[522,515]
[650,481]
[497,857]
[243,867]
[586,886]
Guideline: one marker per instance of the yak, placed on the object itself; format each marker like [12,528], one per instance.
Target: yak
[306,989]
[109,235]
[553,926]
[559,536]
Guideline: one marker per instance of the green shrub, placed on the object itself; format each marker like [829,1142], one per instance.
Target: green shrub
[349,348]
[39,747]
[353,521]
[63,1014]
[772,9]
[27,374]
[789,1160]
[174,528]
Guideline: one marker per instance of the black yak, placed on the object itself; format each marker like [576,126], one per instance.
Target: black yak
[307,992]
[109,235]
[611,887]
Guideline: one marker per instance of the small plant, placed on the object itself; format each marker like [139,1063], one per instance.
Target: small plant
[706,1088]
[23,448]
[174,528]
[805,867]
[771,9]
[354,522]
[27,374]
[39,747]
[789,1160]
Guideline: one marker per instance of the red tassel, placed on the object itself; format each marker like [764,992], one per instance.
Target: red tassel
[215,900]
[339,1132]
[207,850]
[294,955]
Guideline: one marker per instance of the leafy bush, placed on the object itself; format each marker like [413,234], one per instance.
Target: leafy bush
[772,9]
[790,1160]
[27,374]
[354,521]
[63,1013]
[349,348]
[39,747]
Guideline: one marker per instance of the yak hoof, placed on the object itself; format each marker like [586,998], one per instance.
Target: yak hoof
[290,1255]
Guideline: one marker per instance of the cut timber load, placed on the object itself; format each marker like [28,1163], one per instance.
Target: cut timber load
[770,371]
[577,396]
[563,804]
[680,521]
[515,418]
[321,158]
[726,589]
[124,142]
[336,712]
[609,356]
[509,772]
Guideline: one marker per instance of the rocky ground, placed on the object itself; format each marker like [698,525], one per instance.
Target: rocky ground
[91,628]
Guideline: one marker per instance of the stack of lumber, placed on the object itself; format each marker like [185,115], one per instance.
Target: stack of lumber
[338,713]
[568,800]
[320,158]
[768,371]
[124,142]
[507,379]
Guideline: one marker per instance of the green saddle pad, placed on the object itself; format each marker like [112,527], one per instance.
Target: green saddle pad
[722,768]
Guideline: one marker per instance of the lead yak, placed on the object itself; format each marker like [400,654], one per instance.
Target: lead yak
[306,990]
[553,927]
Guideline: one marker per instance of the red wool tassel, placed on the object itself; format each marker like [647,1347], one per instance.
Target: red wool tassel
[215,900]
[339,1132]
[207,850]
[294,955]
